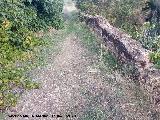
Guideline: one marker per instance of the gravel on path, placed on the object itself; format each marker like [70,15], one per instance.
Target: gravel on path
[63,82]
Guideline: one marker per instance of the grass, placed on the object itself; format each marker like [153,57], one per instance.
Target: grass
[14,81]
[91,42]
[125,94]
[94,114]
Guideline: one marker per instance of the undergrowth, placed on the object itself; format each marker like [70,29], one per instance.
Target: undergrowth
[20,49]
[139,19]
[123,91]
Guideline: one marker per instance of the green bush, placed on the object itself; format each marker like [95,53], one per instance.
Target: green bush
[155,58]
[49,12]
[124,14]
[140,19]
[19,20]
[15,47]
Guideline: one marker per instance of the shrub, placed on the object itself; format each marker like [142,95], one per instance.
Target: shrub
[140,19]
[124,14]
[13,49]
[19,19]
[48,12]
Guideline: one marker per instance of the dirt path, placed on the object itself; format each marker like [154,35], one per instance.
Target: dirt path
[68,85]
[62,82]
[73,85]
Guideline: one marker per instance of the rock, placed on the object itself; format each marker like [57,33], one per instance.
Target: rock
[127,51]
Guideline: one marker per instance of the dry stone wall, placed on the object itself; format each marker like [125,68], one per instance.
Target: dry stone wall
[128,50]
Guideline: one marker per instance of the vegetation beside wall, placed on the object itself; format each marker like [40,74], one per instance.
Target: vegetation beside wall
[140,19]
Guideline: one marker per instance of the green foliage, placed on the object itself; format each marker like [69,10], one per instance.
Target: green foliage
[18,44]
[151,42]
[87,7]
[112,62]
[15,47]
[124,14]
[48,12]
[140,19]
[155,58]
